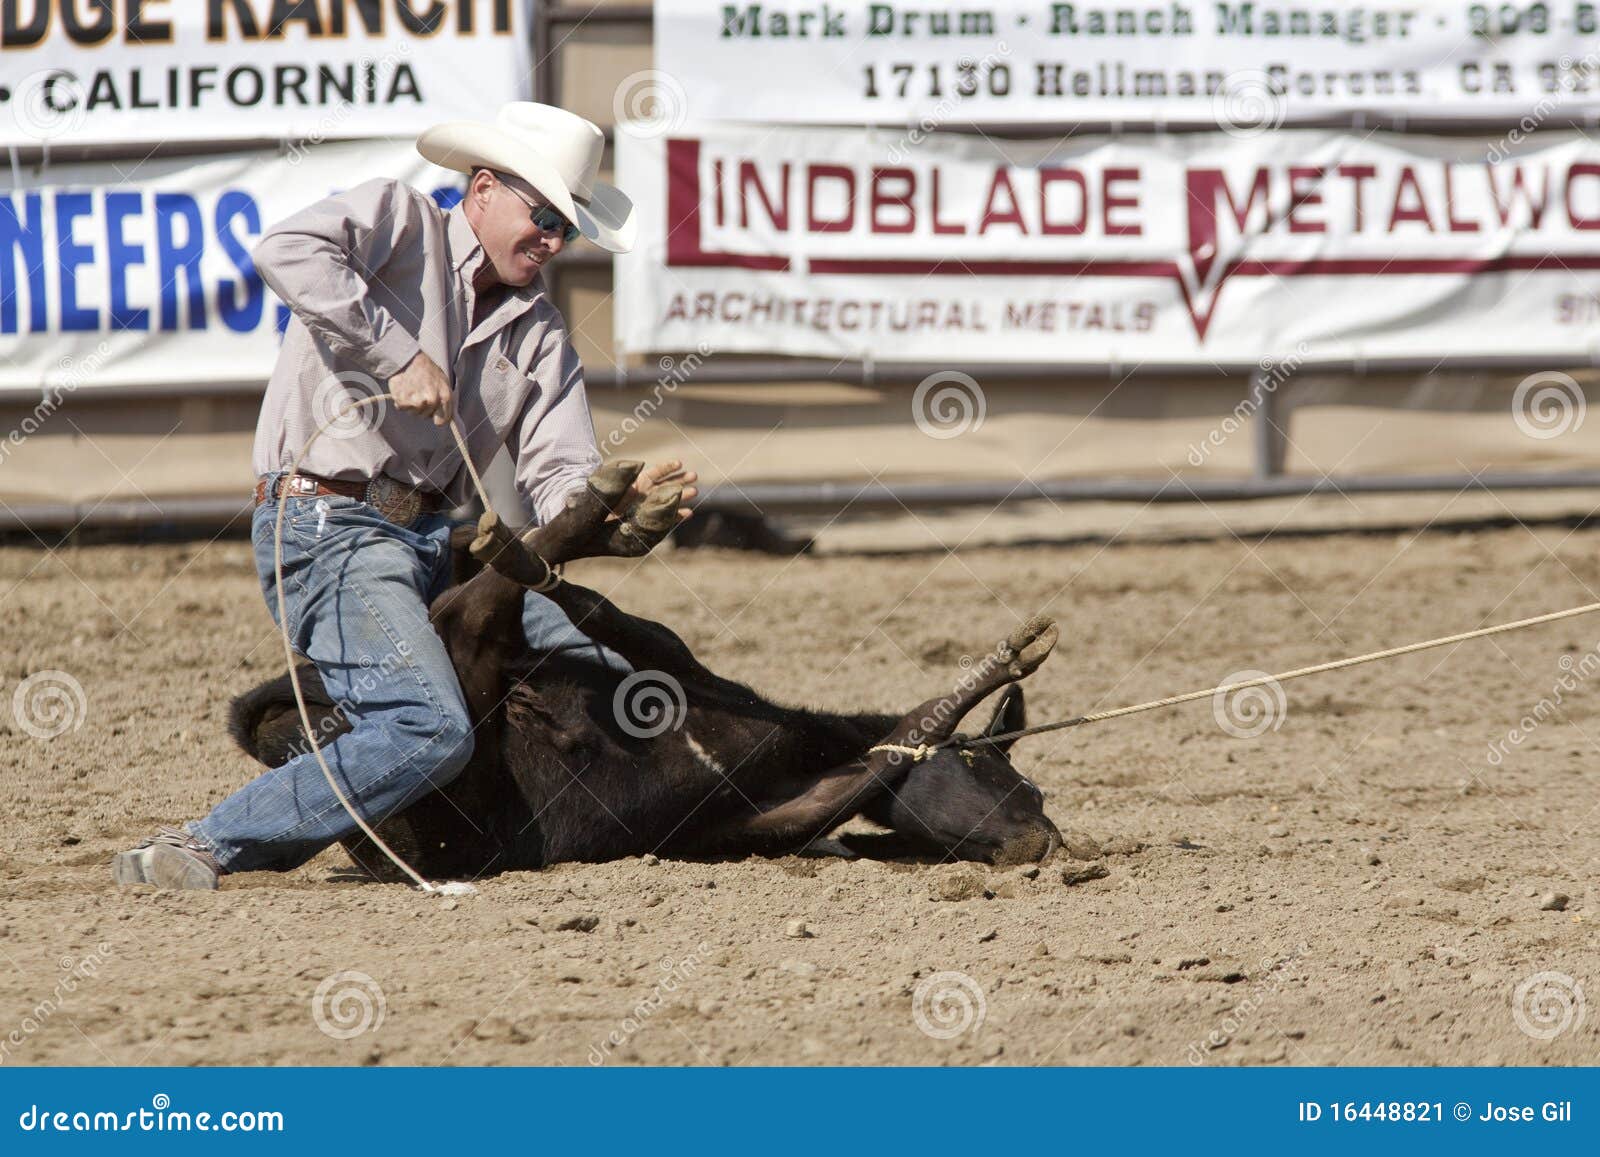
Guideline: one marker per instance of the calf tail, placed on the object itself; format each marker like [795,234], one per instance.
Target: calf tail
[272,698]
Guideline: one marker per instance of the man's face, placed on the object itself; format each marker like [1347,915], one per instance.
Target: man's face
[500,210]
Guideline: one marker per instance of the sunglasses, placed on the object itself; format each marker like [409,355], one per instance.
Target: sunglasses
[546,218]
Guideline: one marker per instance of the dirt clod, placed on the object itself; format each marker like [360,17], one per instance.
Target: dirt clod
[1080,845]
[1084,874]
[962,885]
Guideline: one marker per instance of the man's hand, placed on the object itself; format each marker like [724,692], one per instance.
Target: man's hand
[422,388]
[652,476]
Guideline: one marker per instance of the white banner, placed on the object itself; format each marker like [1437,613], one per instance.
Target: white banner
[149,70]
[1163,249]
[111,278]
[1251,65]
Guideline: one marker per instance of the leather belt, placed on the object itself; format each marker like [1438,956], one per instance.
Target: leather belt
[396,501]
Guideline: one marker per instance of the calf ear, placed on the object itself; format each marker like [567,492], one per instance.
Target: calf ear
[1010,714]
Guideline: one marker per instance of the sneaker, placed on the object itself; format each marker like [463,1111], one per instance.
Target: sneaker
[172,858]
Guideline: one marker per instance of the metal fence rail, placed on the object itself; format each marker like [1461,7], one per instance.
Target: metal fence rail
[211,515]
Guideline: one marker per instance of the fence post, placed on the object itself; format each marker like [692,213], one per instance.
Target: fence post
[1266,430]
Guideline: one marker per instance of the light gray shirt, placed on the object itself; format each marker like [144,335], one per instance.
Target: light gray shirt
[375,274]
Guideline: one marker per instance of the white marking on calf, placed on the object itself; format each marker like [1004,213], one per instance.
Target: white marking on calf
[707,760]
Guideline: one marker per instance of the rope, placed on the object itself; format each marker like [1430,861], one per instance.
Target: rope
[288,645]
[1298,673]
[919,752]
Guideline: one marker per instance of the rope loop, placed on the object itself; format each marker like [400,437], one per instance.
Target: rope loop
[918,753]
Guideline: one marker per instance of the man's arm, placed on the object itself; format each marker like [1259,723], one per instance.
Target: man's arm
[319,260]
[554,444]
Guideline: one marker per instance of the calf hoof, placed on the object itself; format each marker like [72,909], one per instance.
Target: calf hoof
[1029,645]
[599,496]
[612,481]
[651,521]
[572,533]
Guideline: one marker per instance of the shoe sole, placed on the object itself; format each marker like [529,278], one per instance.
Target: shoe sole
[165,867]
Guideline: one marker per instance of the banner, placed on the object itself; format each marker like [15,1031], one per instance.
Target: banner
[1162,249]
[1252,65]
[111,276]
[147,71]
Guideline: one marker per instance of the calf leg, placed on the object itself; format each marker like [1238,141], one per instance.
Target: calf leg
[832,798]
[480,623]
[583,529]
[480,620]
[835,796]
[1017,656]
[591,524]
[646,644]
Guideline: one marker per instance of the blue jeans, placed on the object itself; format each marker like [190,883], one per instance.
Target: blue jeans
[357,589]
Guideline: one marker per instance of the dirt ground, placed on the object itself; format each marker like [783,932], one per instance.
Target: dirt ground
[1396,870]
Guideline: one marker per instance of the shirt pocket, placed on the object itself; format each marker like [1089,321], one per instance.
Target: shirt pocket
[506,390]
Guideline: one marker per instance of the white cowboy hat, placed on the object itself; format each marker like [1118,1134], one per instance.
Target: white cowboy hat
[555,151]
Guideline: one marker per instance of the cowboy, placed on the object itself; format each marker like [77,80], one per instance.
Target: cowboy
[449,313]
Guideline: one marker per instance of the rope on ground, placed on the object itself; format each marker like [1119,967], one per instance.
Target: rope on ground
[284,486]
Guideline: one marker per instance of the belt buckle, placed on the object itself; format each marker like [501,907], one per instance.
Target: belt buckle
[397,502]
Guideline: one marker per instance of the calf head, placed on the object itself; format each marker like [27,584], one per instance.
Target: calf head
[967,800]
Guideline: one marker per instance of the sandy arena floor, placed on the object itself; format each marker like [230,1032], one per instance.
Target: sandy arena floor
[1362,884]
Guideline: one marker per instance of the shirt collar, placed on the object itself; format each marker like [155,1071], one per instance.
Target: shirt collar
[464,246]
